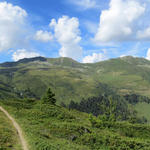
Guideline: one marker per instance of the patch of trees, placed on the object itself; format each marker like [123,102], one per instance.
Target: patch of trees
[109,107]
[134,99]
[102,104]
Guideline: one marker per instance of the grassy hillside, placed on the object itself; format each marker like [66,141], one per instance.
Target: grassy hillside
[127,74]
[8,137]
[71,80]
[143,109]
[49,127]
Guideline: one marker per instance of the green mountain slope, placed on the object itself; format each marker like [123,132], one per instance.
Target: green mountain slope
[51,127]
[71,80]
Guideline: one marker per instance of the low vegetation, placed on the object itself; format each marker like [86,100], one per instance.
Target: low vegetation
[8,137]
[48,126]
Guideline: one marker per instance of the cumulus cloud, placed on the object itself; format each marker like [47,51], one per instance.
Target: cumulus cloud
[12,25]
[148,54]
[43,36]
[23,53]
[95,57]
[117,23]
[67,33]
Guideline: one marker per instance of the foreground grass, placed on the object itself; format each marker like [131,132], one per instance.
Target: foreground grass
[143,109]
[8,136]
[49,127]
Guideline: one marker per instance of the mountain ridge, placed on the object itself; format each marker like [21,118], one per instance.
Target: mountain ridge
[72,80]
[61,59]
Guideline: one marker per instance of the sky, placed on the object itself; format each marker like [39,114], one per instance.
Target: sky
[87,31]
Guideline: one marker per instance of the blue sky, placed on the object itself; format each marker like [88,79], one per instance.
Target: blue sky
[85,30]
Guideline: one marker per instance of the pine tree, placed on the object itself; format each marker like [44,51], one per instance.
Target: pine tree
[49,97]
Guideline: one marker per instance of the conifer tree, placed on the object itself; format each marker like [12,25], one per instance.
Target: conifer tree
[49,97]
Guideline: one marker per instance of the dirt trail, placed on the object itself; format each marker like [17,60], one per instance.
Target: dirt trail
[17,127]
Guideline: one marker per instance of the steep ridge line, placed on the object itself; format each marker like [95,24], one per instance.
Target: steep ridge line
[17,127]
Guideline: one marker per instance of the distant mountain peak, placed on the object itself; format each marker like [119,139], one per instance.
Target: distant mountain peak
[25,60]
[128,57]
[66,61]
[135,60]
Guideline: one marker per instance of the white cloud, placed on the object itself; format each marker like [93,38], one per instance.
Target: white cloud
[123,56]
[144,34]
[12,26]
[95,57]
[117,23]
[67,33]
[23,53]
[43,36]
[148,54]
[85,4]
